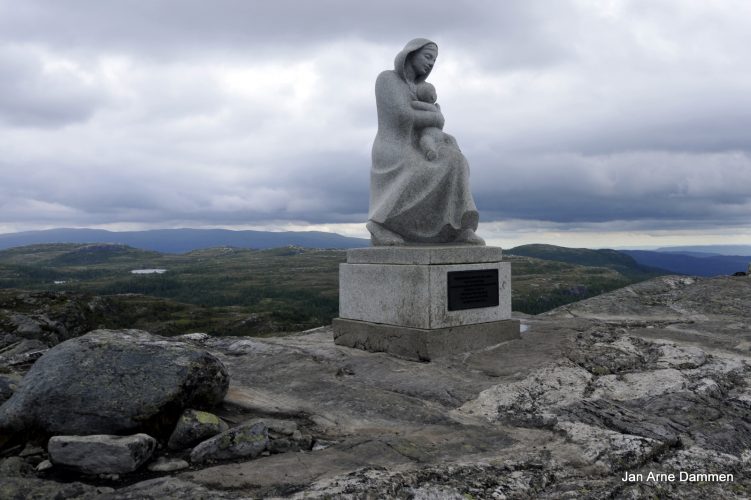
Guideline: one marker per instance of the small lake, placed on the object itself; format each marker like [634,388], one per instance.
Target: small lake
[148,271]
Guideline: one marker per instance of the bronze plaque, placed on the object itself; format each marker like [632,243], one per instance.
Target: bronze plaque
[472,289]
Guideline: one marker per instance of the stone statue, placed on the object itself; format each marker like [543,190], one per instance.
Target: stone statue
[419,180]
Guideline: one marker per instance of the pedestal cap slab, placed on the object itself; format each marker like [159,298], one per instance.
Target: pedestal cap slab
[424,255]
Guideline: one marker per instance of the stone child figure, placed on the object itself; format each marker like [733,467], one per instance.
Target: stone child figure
[430,137]
[416,199]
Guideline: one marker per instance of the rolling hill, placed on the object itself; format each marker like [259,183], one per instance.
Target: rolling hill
[242,291]
[612,259]
[640,264]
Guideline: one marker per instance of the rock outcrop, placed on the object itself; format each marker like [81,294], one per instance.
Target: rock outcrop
[48,317]
[655,378]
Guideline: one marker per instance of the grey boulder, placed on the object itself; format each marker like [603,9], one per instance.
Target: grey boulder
[245,441]
[101,454]
[8,385]
[114,382]
[20,354]
[14,467]
[193,427]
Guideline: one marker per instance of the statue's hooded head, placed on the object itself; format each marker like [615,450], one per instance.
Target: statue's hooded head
[402,57]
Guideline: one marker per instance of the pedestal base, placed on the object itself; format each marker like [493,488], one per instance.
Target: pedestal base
[413,286]
[419,344]
[424,302]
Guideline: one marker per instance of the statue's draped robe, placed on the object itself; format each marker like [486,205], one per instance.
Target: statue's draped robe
[422,201]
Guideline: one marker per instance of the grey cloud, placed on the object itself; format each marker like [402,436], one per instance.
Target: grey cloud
[574,188]
[237,112]
[509,32]
[125,194]
[31,96]
[700,120]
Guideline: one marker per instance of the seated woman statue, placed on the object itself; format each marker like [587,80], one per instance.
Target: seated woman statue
[415,199]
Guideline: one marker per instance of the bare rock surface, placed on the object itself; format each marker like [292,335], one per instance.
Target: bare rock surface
[163,488]
[630,383]
[654,378]
[113,382]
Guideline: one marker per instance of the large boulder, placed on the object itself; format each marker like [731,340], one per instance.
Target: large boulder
[114,382]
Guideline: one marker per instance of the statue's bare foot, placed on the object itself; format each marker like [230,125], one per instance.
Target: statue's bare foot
[469,237]
[380,236]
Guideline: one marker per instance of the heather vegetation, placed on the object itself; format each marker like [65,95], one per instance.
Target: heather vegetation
[230,291]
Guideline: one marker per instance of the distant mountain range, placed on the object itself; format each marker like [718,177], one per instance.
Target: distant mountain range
[704,250]
[692,263]
[184,240]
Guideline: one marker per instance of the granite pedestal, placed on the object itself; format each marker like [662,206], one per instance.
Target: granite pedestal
[424,302]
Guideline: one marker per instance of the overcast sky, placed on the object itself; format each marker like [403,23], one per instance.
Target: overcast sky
[585,122]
